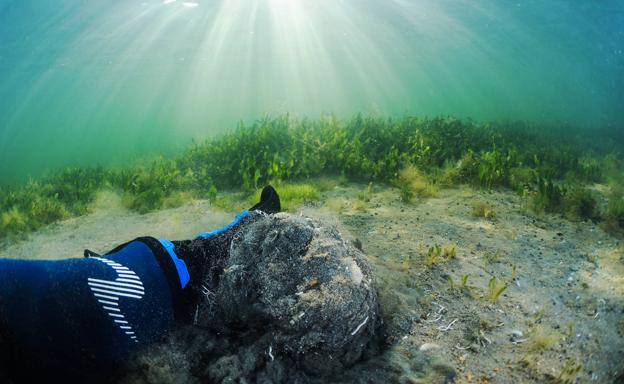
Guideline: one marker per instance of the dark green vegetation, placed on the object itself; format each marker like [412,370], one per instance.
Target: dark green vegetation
[550,166]
[39,203]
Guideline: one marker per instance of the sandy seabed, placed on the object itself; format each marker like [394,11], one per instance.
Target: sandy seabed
[561,318]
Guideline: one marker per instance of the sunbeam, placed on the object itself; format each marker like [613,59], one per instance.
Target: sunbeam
[141,74]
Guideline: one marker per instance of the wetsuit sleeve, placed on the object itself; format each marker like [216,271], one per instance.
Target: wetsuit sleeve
[91,311]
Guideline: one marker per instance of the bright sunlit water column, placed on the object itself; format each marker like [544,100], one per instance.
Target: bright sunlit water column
[104,82]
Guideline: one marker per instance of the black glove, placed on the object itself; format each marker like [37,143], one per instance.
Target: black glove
[205,257]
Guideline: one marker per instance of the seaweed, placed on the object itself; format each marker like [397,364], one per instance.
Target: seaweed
[13,221]
[292,194]
[549,196]
[417,155]
[449,252]
[582,204]
[614,216]
[462,286]
[494,168]
[491,257]
[495,289]
[412,182]
[437,254]
[541,338]
[433,256]
[483,210]
[366,194]
[36,204]
[569,372]
[521,178]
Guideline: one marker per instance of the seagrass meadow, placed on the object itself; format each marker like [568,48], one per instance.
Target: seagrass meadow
[553,167]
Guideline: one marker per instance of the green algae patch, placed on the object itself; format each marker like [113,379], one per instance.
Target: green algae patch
[292,195]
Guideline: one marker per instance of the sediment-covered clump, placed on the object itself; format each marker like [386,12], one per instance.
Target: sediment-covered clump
[295,302]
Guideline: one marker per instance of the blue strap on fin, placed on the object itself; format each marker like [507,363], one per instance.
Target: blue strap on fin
[239,217]
[180,265]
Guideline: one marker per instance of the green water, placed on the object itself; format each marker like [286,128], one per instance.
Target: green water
[103,82]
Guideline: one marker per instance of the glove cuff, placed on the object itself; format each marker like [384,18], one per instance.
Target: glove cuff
[179,296]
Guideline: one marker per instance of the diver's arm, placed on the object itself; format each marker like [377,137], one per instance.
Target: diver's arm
[98,311]
[93,311]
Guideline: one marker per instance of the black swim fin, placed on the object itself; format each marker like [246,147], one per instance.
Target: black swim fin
[269,201]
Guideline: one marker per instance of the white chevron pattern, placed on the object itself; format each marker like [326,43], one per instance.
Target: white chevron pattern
[127,284]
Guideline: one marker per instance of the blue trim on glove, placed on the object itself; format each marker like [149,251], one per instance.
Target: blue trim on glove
[180,265]
[237,220]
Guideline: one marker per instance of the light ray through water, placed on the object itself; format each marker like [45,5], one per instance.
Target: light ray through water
[103,82]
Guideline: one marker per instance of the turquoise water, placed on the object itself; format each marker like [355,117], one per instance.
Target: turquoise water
[94,82]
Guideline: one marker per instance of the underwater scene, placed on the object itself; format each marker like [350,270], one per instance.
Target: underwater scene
[312,191]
